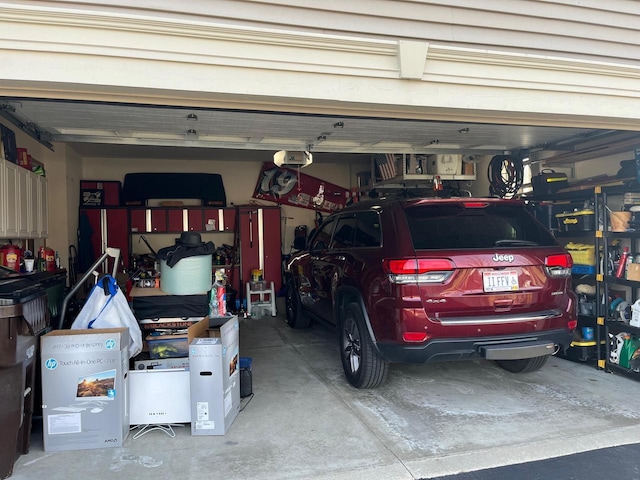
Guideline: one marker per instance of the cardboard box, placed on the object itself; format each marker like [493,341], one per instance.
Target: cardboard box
[633,272]
[84,388]
[172,346]
[215,379]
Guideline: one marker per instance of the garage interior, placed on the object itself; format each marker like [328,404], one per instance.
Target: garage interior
[565,110]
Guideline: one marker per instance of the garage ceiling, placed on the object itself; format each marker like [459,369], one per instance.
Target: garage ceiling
[107,129]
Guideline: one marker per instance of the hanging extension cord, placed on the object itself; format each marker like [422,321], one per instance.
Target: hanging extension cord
[505,176]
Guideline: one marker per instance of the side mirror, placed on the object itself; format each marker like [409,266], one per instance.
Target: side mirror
[299,243]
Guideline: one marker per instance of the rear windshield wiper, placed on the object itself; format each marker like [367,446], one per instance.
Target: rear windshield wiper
[515,243]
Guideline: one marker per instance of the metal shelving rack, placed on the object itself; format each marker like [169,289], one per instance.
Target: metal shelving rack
[406,166]
[605,280]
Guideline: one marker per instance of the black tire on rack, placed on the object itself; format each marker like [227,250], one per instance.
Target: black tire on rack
[296,317]
[523,365]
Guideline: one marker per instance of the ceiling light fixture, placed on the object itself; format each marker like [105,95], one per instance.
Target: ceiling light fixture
[193,117]
[338,125]
[463,130]
[191,131]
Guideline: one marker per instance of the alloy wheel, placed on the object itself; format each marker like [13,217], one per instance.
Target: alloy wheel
[352,345]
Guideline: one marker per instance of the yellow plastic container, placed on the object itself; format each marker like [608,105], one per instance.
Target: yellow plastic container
[582,254]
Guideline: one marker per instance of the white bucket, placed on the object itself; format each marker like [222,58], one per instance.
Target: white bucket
[190,276]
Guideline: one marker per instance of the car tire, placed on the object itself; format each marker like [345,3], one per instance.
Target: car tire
[362,365]
[296,317]
[523,365]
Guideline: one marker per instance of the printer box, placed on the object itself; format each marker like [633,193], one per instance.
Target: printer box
[215,379]
[84,388]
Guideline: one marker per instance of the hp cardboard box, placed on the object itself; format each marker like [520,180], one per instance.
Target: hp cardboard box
[215,379]
[84,388]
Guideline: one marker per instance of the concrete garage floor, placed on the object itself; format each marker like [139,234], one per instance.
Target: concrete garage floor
[306,422]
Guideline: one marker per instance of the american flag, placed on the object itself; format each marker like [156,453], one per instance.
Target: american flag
[386,164]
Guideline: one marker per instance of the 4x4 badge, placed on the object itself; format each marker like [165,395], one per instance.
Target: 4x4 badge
[503,258]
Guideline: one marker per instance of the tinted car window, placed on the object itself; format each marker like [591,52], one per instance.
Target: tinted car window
[367,229]
[345,228]
[454,226]
[322,238]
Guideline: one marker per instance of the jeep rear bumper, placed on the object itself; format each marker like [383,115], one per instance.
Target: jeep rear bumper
[492,348]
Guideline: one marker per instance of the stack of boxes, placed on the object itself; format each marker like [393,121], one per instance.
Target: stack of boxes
[164,320]
[180,335]
[191,375]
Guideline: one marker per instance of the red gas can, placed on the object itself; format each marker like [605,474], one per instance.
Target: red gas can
[11,256]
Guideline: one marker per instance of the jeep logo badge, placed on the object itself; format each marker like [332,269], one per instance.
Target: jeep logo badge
[503,258]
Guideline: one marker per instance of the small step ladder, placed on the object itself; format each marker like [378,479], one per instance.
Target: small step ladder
[264,297]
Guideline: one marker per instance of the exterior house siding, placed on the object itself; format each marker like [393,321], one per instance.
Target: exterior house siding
[589,29]
[566,63]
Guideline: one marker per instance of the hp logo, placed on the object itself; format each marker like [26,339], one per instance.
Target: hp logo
[110,344]
[50,363]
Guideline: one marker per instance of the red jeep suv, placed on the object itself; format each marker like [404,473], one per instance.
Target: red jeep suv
[434,279]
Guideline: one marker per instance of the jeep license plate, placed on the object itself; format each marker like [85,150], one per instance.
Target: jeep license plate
[500,281]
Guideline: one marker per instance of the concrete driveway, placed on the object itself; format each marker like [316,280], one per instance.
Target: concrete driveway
[305,422]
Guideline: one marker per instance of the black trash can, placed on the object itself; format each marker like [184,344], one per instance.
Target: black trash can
[11,389]
[24,315]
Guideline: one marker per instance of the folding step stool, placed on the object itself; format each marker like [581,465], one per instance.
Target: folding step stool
[266,296]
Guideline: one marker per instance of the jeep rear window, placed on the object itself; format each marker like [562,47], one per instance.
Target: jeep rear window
[441,226]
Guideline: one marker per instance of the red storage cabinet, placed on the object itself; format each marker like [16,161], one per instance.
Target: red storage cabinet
[260,243]
[194,216]
[100,193]
[109,228]
[175,217]
[138,220]
[159,221]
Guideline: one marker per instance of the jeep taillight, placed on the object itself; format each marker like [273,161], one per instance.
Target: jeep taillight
[558,265]
[422,270]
